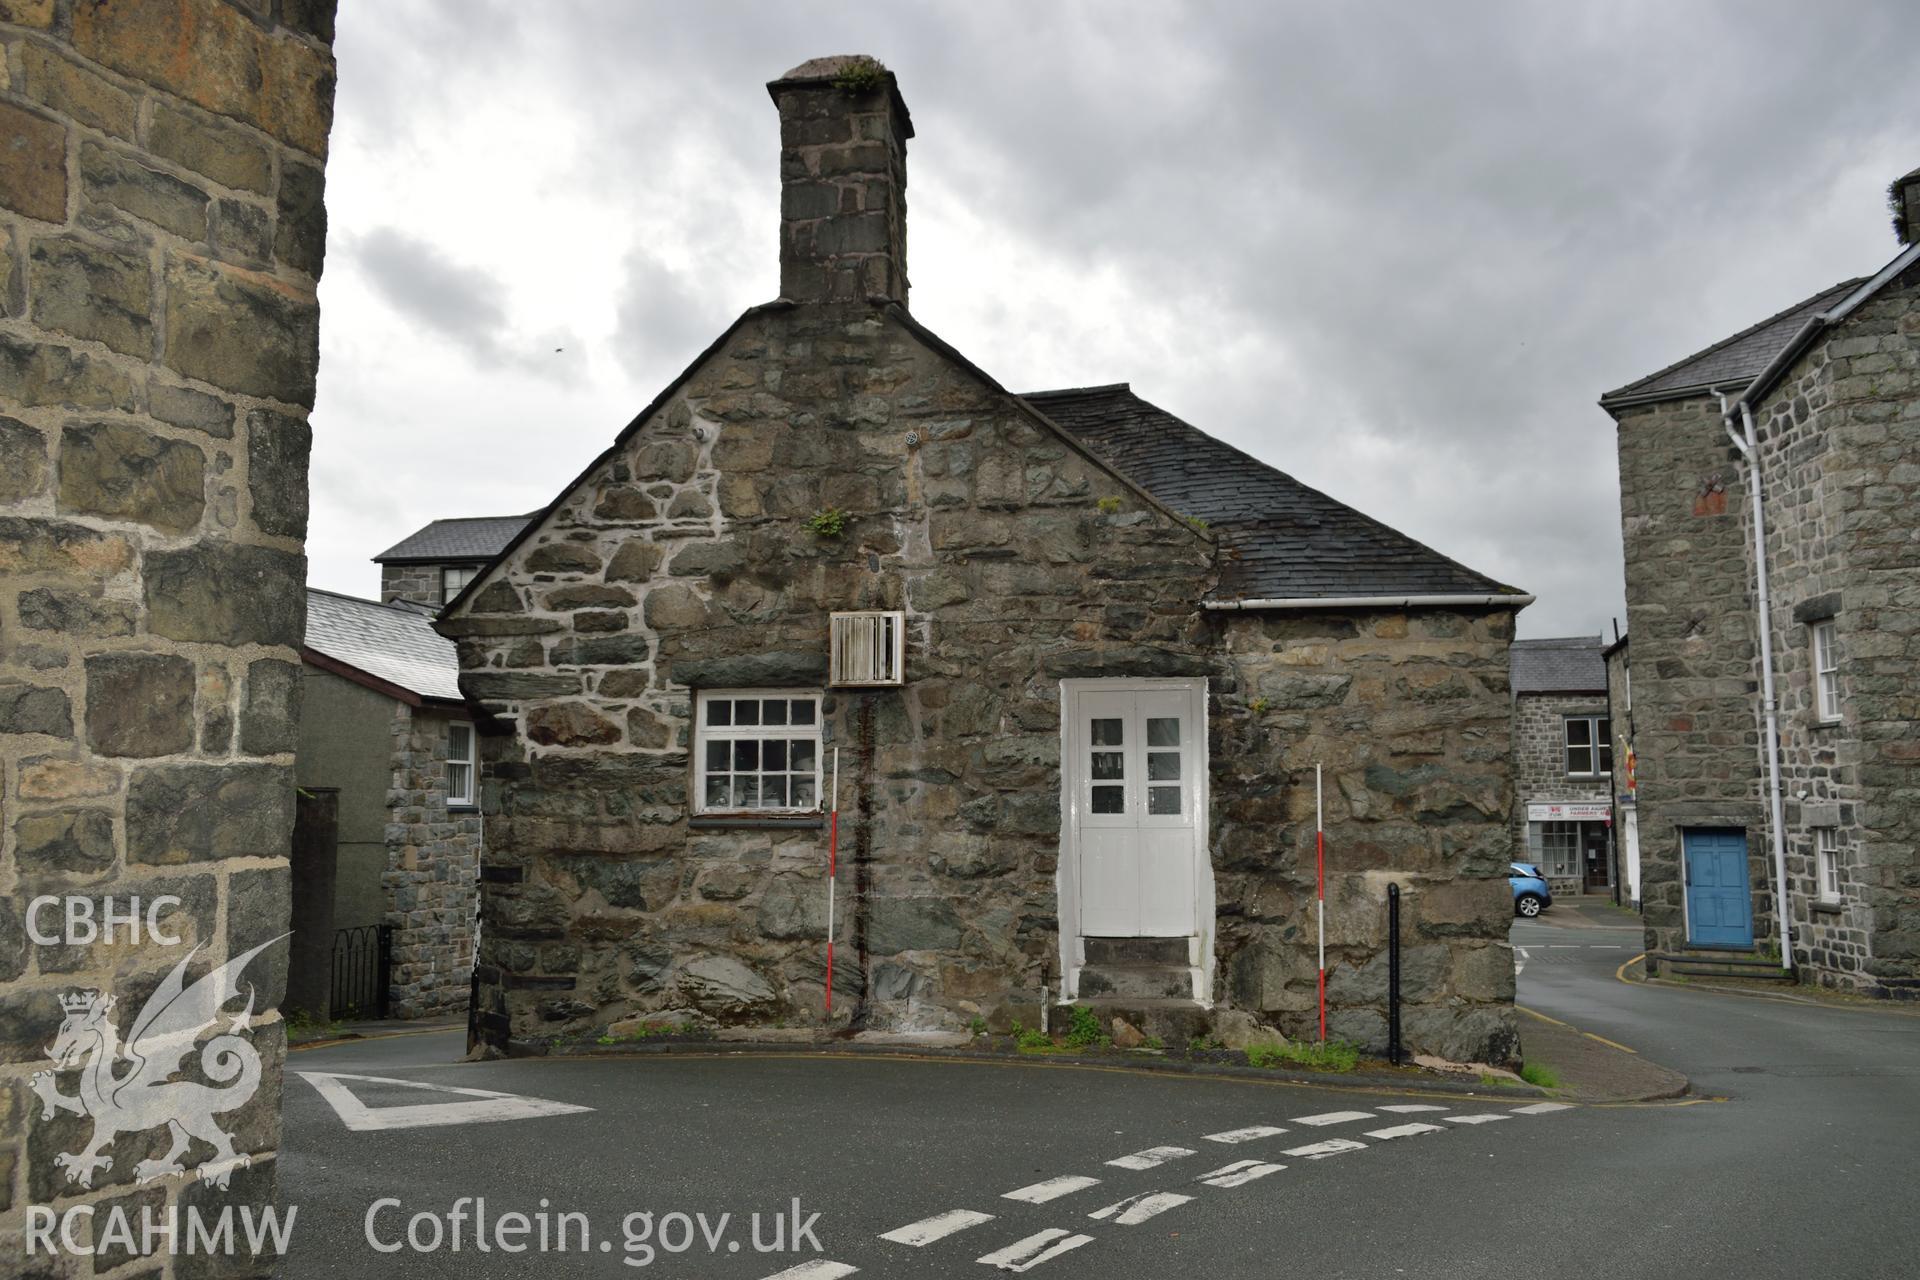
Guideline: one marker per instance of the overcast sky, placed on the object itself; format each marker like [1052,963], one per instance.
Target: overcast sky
[1394,250]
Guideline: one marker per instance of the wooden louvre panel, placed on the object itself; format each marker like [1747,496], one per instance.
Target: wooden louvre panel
[868,649]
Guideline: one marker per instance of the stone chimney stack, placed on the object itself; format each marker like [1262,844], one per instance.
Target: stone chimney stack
[1903,197]
[843,181]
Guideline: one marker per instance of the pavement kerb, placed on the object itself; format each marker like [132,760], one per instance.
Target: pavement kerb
[1778,997]
[1354,1082]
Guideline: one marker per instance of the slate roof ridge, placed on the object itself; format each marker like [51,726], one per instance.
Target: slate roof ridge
[410,549]
[1786,313]
[390,646]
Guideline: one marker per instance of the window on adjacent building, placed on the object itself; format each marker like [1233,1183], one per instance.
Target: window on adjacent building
[1826,858]
[1589,746]
[454,579]
[1826,672]
[460,764]
[1555,847]
[757,750]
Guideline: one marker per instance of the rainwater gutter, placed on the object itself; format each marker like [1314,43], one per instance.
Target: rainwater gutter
[1514,600]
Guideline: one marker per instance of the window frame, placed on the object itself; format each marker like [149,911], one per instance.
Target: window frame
[1826,865]
[1826,672]
[1598,746]
[703,733]
[471,571]
[1549,838]
[471,759]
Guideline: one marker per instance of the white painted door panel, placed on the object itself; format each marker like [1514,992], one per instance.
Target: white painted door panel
[1132,764]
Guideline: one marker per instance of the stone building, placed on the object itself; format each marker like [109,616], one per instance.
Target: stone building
[387,732]
[161,233]
[1827,394]
[432,564]
[1563,758]
[1071,662]
[1626,813]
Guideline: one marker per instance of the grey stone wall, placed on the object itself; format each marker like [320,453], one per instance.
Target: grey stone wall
[1839,439]
[1540,764]
[415,583]
[1690,613]
[161,232]
[685,561]
[432,872]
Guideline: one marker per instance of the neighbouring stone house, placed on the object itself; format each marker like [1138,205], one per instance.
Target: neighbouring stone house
[387,732]
[1830,390]
[1563,762]
[432,564]
[1071,662]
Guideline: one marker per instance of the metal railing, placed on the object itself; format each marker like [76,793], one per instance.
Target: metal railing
[362,972]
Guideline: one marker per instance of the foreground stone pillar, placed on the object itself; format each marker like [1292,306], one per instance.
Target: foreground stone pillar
[161,233]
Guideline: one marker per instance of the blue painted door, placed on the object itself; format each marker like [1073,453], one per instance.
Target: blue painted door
[1719,899]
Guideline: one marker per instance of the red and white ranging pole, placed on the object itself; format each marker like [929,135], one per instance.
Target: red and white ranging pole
[1320,875]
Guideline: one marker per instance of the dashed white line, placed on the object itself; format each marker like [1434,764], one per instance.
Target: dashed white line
[1151,1158]
[1542,1108]
[1246,1135]
[938,1227]
[1409,1108]
[1485,1117]
[1239,1173]
[818,1269]
[1404,1131]
[1135,1210]
[1331,1147]
[1052,1188]
[1024,1255]
[1333,1117]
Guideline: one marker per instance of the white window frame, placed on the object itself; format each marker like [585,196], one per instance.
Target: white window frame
[1826,863]
[1547,841]
[703,733]
[1599,740]
[1826,673]
[469,572]
[455,798]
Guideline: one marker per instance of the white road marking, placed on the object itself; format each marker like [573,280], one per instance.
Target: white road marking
[1405,1131]
[1485,1117]
[1135,1210]
[1246,1135]
[1024,1255]
[818,1269]
[1239,1173]
[1151,1158]
[1410,1107]
[1542,1108]
[1331,1147]
[1052,1188]
[1333,1117]
[938,1227]
[478,1106]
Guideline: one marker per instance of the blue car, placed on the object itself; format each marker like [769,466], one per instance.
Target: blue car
[1530,893]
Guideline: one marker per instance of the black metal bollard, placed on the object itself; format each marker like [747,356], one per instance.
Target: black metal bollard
[1393,974]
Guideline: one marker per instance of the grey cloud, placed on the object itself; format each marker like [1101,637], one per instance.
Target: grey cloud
[1443,229]
[454,301]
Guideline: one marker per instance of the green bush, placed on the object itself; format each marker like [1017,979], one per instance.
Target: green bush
[1331,1055]
[1084,1030]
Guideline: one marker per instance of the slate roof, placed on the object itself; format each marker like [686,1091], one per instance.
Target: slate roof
[1569,664]
[1733,362]
[1283,539]
[395,643]
[463,538]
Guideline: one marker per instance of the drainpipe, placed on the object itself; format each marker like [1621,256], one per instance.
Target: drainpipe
[1747,442]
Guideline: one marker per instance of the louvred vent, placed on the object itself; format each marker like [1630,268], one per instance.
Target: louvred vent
[868,649]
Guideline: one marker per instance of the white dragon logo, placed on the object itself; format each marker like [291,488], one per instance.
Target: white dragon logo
[144,1096]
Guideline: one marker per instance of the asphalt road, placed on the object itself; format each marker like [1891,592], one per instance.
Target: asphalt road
[1806,1168]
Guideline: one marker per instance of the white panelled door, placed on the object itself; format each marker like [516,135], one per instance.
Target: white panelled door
[1133,775]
